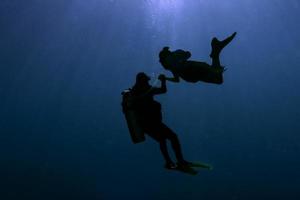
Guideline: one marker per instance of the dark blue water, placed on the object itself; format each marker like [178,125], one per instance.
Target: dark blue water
[64,63]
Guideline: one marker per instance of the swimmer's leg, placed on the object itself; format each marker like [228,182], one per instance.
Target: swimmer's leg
[216,48]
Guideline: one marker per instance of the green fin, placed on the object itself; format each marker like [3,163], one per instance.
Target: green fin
[200,165]
[185,169]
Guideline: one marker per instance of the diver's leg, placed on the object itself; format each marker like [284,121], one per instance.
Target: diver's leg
[169,134]
[215,62]
[155,131]
[164,150]
[216,48]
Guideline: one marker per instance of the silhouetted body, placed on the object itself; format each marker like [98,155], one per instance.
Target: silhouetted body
[150,116]
[193,71]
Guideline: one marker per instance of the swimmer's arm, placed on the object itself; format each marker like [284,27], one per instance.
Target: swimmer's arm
[174,79]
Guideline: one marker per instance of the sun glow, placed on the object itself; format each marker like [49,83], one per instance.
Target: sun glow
[165,4]
[169,4]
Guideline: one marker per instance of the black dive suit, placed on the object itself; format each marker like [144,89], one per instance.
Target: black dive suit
[150,118]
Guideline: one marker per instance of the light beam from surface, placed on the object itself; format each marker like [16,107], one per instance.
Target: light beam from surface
[165,5]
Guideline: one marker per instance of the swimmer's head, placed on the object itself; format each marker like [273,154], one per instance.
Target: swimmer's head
[163,54]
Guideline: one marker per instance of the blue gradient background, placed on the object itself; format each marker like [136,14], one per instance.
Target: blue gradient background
[64,63]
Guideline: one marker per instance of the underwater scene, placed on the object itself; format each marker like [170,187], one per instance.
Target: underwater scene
[149,99]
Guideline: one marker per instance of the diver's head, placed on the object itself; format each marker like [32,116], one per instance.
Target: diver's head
[142,78]
[165,52]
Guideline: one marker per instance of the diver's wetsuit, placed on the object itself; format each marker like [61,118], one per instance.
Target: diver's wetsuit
[150,118]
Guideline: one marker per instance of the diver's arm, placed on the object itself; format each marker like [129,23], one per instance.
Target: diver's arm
[163,88]
[174,79]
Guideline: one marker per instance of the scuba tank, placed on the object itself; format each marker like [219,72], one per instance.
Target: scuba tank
[131,115]
[136,133]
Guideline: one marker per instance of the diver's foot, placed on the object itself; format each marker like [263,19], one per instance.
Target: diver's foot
[217,45]
[233,35]
[170,165]
[183,163]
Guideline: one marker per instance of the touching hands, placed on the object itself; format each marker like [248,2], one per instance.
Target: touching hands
[162,77]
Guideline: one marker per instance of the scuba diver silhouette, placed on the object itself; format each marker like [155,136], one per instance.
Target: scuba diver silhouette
[150,117]
[193,71]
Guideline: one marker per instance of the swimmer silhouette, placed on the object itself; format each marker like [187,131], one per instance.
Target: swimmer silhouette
[193,71]
[150,117]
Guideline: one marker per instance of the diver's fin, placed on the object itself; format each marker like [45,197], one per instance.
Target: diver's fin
[184,169]
[200,165]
